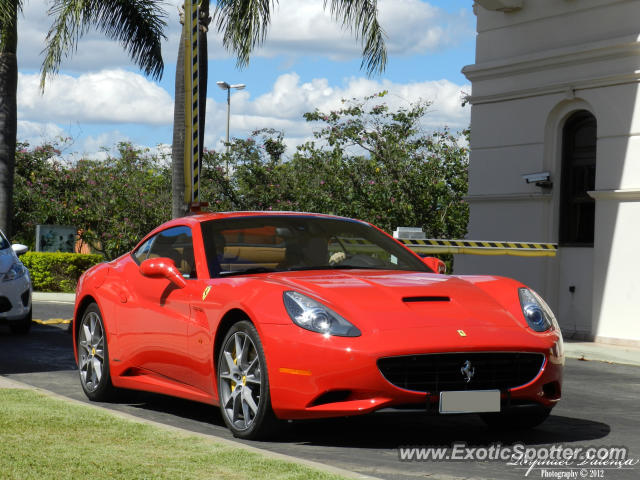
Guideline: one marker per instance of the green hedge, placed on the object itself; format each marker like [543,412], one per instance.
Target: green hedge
[57,272]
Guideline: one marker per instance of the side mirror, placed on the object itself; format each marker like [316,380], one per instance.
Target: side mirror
[435,264]
[163,268]
[19,249]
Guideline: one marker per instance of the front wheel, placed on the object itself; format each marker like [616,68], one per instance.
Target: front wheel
[243,384]
[93,356]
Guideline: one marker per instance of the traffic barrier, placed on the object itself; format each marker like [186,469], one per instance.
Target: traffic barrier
[481,247]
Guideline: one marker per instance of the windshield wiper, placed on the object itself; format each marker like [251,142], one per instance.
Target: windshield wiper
[249,271]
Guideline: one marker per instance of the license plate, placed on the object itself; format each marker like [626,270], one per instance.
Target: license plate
[470,401]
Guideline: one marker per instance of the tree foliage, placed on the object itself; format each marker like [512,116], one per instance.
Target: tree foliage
[113,202]
[366,161]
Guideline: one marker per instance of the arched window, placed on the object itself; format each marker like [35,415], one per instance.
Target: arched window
[577,208]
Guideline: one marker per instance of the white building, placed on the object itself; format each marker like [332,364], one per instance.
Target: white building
[555,89]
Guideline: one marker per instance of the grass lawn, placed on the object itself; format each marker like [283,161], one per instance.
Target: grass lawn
[46,438]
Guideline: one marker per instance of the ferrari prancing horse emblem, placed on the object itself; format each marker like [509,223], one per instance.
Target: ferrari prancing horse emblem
[206,292]
[468,371]
[461,333]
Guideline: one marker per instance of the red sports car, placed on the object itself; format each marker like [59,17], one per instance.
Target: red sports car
[294,316]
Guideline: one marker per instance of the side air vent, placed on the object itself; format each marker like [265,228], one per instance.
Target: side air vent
[332,396]
[425,299]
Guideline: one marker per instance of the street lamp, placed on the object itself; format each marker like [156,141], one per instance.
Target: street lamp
[227,87]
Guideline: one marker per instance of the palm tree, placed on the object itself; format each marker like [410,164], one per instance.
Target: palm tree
[137,24]
[244,25]
[8,114]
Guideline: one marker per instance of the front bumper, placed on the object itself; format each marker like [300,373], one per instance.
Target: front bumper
[15,298]
[312,376]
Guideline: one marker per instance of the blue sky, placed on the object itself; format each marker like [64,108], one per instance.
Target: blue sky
[100,98]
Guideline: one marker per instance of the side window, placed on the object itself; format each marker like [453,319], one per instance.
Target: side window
[175,243]
[141,253]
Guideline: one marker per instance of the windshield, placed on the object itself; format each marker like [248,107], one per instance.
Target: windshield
[289,243]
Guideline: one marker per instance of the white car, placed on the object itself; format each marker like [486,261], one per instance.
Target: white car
[15,287]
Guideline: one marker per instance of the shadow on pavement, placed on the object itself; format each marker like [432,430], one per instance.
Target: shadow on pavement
[382,430]
[392,430]
[44,349]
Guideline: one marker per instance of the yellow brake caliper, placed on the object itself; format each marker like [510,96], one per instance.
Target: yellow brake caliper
[235,362]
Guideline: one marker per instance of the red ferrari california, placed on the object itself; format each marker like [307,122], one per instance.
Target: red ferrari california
[274,316]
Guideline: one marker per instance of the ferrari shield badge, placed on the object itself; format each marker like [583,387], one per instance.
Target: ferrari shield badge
[460,332]
[206,292]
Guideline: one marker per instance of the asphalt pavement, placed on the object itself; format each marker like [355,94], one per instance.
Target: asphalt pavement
[599,408]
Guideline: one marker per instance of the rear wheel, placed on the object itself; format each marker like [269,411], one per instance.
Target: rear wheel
[21,326]
[243,384]
[517,418]
[93,356]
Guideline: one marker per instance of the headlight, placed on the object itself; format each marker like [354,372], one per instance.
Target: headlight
[312,315]
[17,270]
[538,314]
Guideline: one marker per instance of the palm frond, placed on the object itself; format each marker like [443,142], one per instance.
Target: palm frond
[8,11]
[137,24]
[244,25]
[361,17]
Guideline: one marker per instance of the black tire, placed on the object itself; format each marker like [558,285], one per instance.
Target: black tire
[93,356]
[21,326]
[246,411]
[522,418]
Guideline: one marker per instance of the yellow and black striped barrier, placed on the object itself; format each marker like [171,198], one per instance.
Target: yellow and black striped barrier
[482,247]
[52,321]
[191,104]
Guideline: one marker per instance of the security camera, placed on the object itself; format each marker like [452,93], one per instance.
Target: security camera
[541,179]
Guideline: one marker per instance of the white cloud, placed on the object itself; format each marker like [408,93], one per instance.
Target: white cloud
[37,133]
[116,96]
[282,108]
[303,27]
[298,27]
[108,96]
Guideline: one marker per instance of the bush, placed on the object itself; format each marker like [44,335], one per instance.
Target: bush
[113,202]
[57,272]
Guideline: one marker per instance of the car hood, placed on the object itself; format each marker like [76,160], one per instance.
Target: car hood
[383,300]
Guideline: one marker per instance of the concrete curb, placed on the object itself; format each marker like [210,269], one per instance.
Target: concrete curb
[10,383]
[592,351]
[54,297]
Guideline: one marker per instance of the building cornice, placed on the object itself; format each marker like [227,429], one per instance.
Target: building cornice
[627,46]
[568,89]
[622,47]
[501,5]
[623,195]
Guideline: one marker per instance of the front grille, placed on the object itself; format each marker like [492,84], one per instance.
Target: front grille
[5,304]
[443,371]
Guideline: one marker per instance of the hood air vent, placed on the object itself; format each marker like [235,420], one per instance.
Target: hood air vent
[425,299]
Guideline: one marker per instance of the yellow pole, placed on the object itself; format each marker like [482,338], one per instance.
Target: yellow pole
[191,145]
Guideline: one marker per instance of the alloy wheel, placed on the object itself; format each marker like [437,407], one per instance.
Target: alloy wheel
[240,380]
[91,351]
